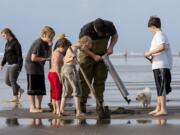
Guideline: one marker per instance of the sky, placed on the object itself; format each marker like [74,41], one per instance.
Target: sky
[27,17]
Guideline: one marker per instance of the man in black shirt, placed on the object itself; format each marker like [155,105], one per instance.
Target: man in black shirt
[104,37]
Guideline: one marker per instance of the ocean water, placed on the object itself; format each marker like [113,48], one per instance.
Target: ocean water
[135,72]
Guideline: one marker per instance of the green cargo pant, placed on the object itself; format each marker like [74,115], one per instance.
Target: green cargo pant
[96,72]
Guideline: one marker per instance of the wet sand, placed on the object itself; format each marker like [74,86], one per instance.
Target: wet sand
[95,130]
[136,74]
[20,121]
[116,113]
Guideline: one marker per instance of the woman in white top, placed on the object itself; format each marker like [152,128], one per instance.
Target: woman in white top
[161,59]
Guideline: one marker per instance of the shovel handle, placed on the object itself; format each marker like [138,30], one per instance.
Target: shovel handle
[85,78]
[87,81]
[89,84]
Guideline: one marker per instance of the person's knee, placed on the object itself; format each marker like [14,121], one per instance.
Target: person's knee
[7,83]
[99,84]
[84,89]
[99,95]
[77,94]
[13,83]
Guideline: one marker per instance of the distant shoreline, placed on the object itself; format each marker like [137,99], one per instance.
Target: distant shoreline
[115,55]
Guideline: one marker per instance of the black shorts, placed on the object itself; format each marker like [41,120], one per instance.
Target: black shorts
[36,85]
[163,81]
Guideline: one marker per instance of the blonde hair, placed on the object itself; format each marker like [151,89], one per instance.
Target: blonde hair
[85,41]
[61,36]
[48,31]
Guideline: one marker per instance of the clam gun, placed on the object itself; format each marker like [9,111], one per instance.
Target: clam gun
[116,78]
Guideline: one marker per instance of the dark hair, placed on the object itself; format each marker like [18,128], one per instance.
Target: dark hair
[62,42]
[8,31]
[99,25]
[154,21]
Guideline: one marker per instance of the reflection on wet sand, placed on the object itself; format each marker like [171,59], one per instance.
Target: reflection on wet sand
[11,122]
[53,121]
[159,121]
[144,121]
[77,122]
[36,123]
[58,122]
[162,121]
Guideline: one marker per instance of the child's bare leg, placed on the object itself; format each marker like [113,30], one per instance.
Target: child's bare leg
[57,104]
[63,101]
[54,106]
[163,104]
[163,109]
[38,101]
[32,104]
[158,107]
[33,122]
[77,105]
[38,122]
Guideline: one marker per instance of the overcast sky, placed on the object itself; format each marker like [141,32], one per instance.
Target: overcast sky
[27,17]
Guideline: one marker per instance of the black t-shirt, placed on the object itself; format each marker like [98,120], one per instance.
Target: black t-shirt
[88,30]
[41,49]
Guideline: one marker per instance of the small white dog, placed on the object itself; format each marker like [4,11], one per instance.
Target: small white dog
[144,97]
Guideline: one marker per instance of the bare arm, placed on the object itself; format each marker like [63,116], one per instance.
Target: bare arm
[91,54]
[55,63]
[159,49]
[36,58]
[113,41]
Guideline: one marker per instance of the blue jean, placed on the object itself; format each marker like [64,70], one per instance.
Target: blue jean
[11,77]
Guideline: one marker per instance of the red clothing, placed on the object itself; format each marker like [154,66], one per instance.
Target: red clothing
[56,86]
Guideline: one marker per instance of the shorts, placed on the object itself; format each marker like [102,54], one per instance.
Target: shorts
[70,81]
[56,86]
[163,81]
[36,85]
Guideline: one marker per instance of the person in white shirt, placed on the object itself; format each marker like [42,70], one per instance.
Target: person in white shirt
[161,58]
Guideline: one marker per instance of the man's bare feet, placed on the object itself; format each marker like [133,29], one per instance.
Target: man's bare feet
[153,112]
[40,110]
[161,113]
[35,110]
